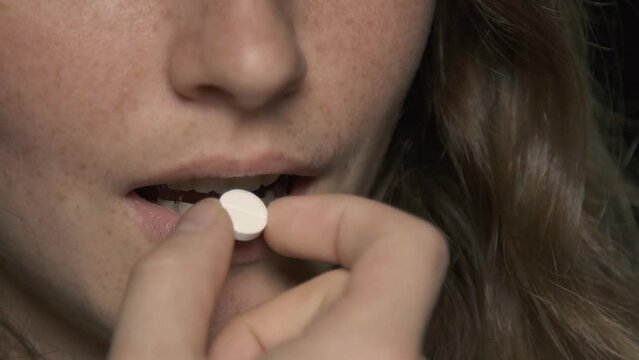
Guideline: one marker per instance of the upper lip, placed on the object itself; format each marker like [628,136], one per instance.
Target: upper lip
[217,165]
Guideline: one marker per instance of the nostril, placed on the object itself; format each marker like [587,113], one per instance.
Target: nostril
[207,89]
[249,100]
[210,94]
[210,90]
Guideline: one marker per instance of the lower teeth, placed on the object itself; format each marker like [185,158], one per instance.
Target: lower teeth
[268,197]
[177,206]
[181,207]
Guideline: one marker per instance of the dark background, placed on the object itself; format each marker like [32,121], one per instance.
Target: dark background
[615,59]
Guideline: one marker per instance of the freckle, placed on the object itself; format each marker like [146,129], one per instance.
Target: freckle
[349,21]
[62,197]
[168,14]
[187,130]
[58,74]
[119,104]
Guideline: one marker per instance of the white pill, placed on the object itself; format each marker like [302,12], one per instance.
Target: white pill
[247,211]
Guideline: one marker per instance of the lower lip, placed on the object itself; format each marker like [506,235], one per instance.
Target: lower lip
[160,222]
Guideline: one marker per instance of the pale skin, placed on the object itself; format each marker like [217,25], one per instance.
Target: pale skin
[373,307]
[98,96]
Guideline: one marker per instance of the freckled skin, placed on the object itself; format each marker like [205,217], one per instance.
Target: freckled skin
[94,95]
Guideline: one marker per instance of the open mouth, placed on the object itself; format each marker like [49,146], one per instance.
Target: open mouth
[179,197]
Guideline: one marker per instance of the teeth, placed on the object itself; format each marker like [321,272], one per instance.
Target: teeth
[221,185]
[181,207]
[269,179]
[268,197]
[206,186]
[177,206]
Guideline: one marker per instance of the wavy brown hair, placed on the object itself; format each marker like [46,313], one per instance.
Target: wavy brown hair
[504,147]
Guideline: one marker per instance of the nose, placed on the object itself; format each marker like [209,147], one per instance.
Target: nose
[242,50]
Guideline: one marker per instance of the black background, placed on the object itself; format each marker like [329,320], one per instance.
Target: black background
[615,61]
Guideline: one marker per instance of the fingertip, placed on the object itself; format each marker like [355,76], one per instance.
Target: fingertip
[201,216]
[289,205]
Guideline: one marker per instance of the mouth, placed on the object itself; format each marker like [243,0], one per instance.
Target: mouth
[158,208]
[180,196]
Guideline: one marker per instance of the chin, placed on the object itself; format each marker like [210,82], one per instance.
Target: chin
[250,285]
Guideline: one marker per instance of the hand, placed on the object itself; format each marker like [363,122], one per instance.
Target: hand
[376,306]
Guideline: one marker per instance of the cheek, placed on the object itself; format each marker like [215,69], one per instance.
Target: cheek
[362,57]
[66,85]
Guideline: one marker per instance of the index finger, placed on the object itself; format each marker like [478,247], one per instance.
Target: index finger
[397,260]
[172,290]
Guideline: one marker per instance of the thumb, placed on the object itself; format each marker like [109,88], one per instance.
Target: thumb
[172,290]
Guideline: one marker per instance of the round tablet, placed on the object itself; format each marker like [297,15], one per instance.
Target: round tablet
[247,211]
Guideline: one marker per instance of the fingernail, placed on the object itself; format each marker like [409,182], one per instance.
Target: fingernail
[199,217]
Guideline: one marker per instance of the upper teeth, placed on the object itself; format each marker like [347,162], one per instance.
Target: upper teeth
[221,185]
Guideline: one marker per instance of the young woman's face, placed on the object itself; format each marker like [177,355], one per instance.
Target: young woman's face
[98,98]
